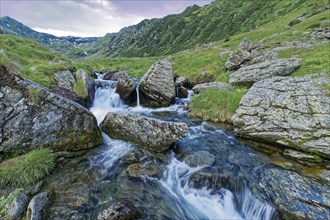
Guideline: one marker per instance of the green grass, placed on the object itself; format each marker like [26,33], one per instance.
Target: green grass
[216,105]
[80,88]
[136,67]
[26,169]
[7,200]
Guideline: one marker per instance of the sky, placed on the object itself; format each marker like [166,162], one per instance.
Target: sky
[88,18]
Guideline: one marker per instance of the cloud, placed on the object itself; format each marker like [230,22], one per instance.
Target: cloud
[90,17]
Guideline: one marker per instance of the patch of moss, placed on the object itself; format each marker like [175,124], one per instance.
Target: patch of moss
[80,89]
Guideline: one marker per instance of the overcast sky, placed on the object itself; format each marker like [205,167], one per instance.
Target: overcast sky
[89,17]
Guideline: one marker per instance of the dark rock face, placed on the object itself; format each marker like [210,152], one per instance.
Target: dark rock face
[31,117]
[121,210]
[154,134]
[212,85]
[16,209]
[293,112]
[295,196]
[37,207]
[157,87]
[182,92]
[254,73]
[125,86]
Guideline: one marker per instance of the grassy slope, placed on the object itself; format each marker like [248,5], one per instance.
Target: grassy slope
[314,60]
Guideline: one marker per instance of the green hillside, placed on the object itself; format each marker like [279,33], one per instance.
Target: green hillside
[196,26]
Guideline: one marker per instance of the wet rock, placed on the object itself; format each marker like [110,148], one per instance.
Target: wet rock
[132,157]
[153,134]
[16,209]
[37,207]
[137,170]
[31,116]
[125,86]
[293,112]
[37,188]
[302,157]
[113,75]
[212,85]
[295,196]
[182,92]
[200,158]
[88,84]
[217,178]
[121,210]
[157,87]
[253,73]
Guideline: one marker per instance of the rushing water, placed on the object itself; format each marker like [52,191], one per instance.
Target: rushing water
[171,195]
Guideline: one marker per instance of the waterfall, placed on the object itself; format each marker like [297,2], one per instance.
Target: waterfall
[137,94]
[106,99]
[202,204]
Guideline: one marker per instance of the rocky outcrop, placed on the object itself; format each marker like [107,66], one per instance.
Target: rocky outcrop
[294,196]
[153,134]
[157,87]
[33,117]
[248,53]
[16,209]
[293,112]
[125,86]
[253,73]
[37,207]
[212,85]
[120,210]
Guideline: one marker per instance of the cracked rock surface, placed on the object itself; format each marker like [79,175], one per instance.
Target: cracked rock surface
[294,112]
[32,117]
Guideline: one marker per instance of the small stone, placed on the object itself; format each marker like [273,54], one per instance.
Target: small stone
[137,170]
[16,209]
[121,210]
[37,207]
[200,158]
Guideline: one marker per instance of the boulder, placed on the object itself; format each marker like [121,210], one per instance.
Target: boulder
[212,85]
[37,207]
[31,116]
[137,170]
[253,73]
[200,158]
[120,210]
[292,112]
[88,84]
[293,195]
[16,209]
[125,86]
[65,80]
[153,134]
[157,87]
[182,92]
[112,75]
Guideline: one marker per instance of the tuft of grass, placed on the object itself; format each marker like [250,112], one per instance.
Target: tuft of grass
[7,200]
[326,88]
[26,169]
[33,95]
[216,105]
[80,89]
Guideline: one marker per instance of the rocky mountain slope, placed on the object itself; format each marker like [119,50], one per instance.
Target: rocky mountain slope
[62,44]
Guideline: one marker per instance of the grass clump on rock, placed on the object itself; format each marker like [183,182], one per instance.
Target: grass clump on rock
[26,169]
[216,105]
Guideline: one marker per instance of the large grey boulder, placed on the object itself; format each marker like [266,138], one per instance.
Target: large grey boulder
[125,86]
[16,209]
[154,134]
[157,87]
[293,195]
[65,80]
[31,117]
[38,206]
[120,210]
[212,85]
[294,112]
[88,83]
[253,73]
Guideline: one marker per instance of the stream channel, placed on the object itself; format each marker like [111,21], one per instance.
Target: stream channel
[90,183]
